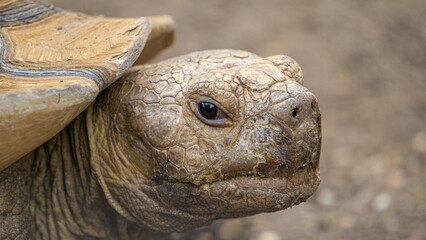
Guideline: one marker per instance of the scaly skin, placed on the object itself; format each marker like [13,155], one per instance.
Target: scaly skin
[142,160]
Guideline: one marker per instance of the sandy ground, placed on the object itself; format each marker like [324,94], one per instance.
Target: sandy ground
[366,62]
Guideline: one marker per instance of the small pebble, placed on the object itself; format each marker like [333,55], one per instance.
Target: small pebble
[381,202]
[268,235]
[326,197]
[396,180]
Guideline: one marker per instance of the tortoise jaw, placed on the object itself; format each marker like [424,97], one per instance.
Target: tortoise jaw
[182,206]
[242,195]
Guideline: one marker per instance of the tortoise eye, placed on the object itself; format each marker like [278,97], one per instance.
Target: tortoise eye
[208,110]
[211,114]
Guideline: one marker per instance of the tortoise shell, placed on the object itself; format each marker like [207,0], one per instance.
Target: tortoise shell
[53,64]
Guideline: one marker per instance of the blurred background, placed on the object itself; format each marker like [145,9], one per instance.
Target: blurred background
[365,60]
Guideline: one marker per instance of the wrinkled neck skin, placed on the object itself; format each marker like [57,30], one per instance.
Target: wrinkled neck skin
[67,201]
[76,192]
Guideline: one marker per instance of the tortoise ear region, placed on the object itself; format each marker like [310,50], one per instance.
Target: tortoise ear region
[288,66]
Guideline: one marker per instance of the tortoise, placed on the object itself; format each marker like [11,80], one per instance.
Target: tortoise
[92,148]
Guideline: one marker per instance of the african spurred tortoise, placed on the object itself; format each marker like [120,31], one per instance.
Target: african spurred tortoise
[166,148]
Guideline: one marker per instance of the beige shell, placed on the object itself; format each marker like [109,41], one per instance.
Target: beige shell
[53,64]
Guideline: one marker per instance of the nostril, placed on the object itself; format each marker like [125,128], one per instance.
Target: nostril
[295,112]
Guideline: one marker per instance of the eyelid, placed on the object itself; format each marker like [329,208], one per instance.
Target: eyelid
[226,121]
[201,99]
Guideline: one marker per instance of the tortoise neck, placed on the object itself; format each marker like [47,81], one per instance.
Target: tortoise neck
[67,200]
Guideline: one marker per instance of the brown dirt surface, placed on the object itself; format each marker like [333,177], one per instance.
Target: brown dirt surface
[366,62]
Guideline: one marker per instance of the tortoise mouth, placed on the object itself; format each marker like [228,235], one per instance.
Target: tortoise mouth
[242,195]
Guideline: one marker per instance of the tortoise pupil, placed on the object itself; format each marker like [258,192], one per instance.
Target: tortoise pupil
[207,110]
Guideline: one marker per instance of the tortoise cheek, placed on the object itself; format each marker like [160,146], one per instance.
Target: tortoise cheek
[162,125]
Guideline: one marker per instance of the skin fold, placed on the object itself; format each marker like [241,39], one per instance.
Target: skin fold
[143,160]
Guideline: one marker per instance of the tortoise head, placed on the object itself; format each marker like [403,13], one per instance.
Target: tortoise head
[213,134]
